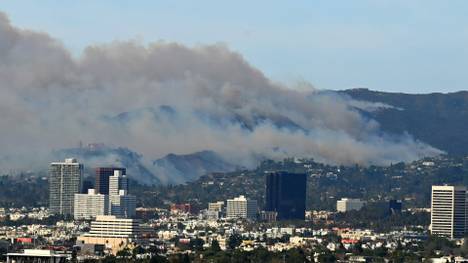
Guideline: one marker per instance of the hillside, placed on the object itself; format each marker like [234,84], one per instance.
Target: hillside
[410,182]
[189,167]
[440,120]
[171,169]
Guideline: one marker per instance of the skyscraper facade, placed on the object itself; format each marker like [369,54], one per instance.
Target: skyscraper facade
[102,178]
[121,204]
[241,207]
[449,211]
[118,181]
[65,179]
[286,195]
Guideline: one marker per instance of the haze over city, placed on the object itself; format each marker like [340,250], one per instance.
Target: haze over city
[232,132]
[127,93]
[404,46]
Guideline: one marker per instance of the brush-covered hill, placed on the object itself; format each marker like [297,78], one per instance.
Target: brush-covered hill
[438,119]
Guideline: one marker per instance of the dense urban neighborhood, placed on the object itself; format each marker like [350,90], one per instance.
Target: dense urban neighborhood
[242,216]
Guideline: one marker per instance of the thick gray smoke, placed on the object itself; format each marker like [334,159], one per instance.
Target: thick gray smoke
[168,98]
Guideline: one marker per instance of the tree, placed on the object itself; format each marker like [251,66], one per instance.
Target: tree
[326,257]
[179,258]
[295,256]
[124,253]
[197,244]
[261,255]
[109,259]
[158,259]
[138,250]
[234,241]
[215,246]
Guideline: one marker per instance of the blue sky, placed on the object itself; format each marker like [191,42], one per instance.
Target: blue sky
[405,46]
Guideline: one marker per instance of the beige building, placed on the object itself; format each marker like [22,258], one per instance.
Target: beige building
[217,206]
[115,233]
[348,204]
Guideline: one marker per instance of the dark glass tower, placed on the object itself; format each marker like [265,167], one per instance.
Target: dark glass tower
[102,178]
[286,195]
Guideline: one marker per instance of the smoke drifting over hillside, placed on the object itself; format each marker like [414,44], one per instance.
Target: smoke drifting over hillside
[167,98]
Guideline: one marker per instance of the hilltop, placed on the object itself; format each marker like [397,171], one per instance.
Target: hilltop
[439,119]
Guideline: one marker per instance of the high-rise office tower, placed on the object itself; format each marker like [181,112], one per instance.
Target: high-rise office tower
[64,182]
[121,204]
[241,207]
[286,195]
[102,178]
[448,211]
[118,181]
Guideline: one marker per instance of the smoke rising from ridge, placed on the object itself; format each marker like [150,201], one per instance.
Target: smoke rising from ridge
[168,98]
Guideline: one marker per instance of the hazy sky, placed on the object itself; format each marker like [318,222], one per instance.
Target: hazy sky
[408,46]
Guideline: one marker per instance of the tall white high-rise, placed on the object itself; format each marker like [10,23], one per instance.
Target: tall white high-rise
[118,182]
[90,205]
[121,204]
[65,179]
[449,211]
[241,207]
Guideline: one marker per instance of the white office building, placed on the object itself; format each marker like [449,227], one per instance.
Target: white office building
[241,207]
[65,179]
[111,226]
[449,211]
[348,204]
[117,182]
[90,205]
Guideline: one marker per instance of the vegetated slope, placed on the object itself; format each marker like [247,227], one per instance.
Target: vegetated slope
[189,167]
[440,120]
[410,182]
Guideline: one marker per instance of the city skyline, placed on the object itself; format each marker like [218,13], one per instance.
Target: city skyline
[210,131]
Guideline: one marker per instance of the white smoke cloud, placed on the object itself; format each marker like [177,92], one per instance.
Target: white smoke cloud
[50,100]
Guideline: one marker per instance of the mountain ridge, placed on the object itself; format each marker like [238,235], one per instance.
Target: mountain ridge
[439,119]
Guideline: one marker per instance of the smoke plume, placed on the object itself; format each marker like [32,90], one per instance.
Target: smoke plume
[168,98]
